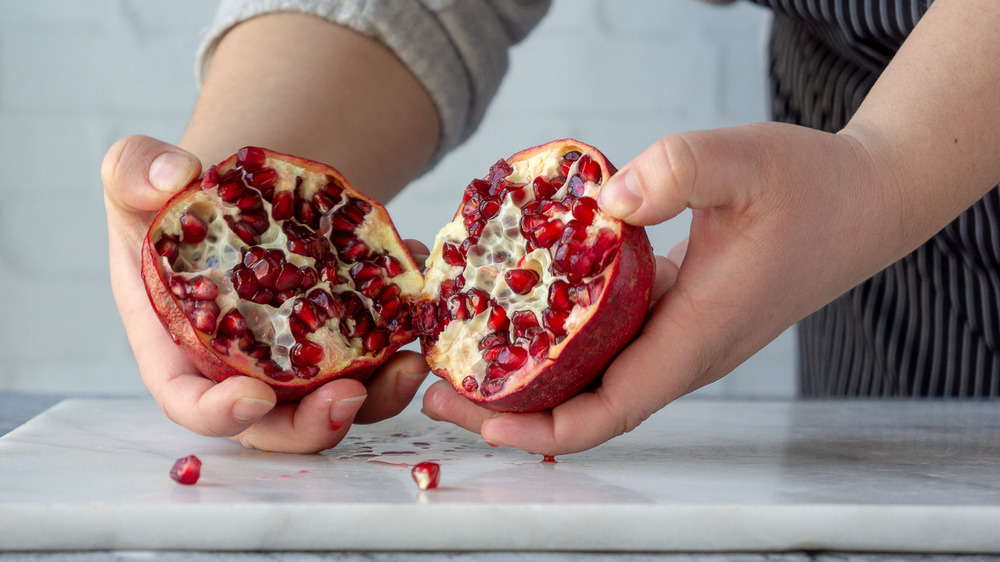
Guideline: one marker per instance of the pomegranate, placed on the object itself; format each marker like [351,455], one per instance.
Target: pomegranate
[272,266]
[427,475]
[186,470]
[533,289]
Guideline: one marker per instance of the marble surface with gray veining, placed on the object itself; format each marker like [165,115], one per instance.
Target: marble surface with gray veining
[699,477]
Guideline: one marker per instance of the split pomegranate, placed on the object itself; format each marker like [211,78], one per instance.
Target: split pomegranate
[272,266]
[427,475]
[186,470]
[532,288]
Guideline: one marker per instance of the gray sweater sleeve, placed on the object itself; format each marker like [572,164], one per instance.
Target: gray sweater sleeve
[456,48]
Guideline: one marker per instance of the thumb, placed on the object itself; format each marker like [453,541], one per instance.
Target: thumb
[697,170]
[140,173]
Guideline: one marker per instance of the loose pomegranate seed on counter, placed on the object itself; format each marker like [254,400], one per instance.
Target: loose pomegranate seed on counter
[186,470]
[427,475]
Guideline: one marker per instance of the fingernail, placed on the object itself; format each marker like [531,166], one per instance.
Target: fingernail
[343,411]
[407,382]
[621,196]
[170,171]
[250,409]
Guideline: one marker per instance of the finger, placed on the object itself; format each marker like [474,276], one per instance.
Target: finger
[393,386]
[442,403]
[666,276]
[317,422]
[697,170]
[140,173]
[218,410]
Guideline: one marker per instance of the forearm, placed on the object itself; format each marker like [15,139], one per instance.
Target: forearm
[304,86]
[932,121]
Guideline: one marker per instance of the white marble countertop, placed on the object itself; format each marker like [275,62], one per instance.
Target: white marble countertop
[700,476]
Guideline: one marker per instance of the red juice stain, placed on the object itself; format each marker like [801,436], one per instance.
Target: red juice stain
[549,459]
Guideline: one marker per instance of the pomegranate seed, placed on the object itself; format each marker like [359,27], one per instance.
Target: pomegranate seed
[493,339]
[201,289]
[476,228]
[470,384]
[538,346]
[372,287]
[451,255]
[554,320]
[306,371]
[391,265]
[264,295]
[499,171]
[498,319]
[251,157]
[186,470]
[306,353]
[575,186]
[244,282]
[364,271]
[389,309]
[427,475]
[308,278]
[283,206]
[489,208]
[204,315]
[263,179]
[584,209]
[266,271]
[250,202]
[567,163]
[167,247]
[376,341]
[589,169]
[193,228]
[332,189]
[231,191]
[458,307]
[479,300]
[353,250]
[253,255]
[493,384]
[364,326]
[330,305]
[323,202]
[211,177]
[448,288]
[543,188]
[522,320]
[559,295]
[521,281]
[233,324]
[243,231]
[511,357]
[309,314]
[548,234]
[288,277]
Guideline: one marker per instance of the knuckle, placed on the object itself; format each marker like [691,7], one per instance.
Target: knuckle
[677,163]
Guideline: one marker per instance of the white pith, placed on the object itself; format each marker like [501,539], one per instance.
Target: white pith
[457,347]
[216,256]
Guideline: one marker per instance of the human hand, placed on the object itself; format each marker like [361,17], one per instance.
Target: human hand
[140,174]
[784,219]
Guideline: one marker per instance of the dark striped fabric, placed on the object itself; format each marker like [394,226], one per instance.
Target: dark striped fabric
[929,325]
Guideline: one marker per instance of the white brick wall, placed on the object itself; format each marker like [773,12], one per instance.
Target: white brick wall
[75,76]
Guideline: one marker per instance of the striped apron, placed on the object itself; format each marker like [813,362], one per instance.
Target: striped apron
[929,325]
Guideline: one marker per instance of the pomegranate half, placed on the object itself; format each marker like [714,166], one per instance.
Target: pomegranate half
[535,288]
[272,266]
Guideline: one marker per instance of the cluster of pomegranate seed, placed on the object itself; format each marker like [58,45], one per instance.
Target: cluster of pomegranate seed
[529,251]
[268,264]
